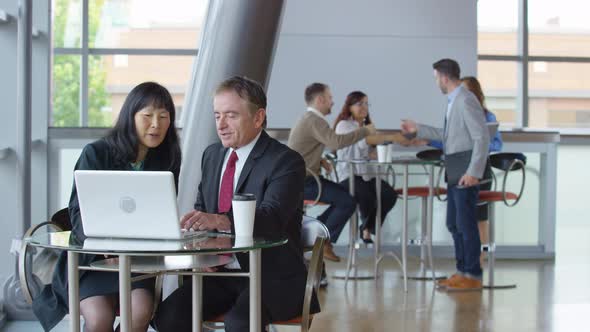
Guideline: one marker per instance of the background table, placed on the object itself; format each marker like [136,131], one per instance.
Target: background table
[405,162]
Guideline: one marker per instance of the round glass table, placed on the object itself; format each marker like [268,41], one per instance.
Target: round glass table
[158,257]
[380,170]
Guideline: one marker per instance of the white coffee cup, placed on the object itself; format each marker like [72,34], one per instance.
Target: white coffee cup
[390,153]
[243,241]
[244,209]
[382,153]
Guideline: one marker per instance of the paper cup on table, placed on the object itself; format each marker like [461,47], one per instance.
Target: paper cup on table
[390,153]
[243,241]
[244,208]
[382,153]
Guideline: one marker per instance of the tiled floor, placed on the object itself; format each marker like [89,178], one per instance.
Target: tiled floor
[551,296]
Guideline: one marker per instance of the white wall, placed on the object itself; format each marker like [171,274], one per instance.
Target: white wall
[382,47]
[8,132]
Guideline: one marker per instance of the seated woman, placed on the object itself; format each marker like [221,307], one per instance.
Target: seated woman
[354,114]
[143,139]
[472,84]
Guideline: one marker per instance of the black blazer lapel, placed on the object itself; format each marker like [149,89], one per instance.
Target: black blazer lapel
[256,153]
[217,178]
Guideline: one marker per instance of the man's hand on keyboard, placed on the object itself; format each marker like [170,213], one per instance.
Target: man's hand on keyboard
[201,221]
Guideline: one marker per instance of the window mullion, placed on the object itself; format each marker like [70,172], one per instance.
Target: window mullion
[127,51]
[523,66]
[142,51]
[84,67]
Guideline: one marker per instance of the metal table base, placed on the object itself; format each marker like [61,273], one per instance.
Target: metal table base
[426,242]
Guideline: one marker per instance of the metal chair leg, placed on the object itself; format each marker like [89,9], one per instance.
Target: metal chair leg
[491,250]
[425,242]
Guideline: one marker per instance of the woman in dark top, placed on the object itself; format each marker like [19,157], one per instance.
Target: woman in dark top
[144,138]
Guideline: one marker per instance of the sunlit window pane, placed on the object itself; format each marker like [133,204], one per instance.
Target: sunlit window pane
[111,77]
[145,23]
[559,28]
[499,81]
[497,26]
[66,91]
[559,95]
[99,101]
[67,23]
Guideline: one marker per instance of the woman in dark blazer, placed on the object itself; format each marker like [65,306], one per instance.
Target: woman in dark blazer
[144,138]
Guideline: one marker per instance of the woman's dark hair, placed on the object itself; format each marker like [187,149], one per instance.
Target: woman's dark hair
[352,98]
[123,140]
[473,85]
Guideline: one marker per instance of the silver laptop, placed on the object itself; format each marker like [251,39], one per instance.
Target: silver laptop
[108,244]
[127,204]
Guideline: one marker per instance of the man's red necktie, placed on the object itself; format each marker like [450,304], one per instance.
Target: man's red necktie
[226,192]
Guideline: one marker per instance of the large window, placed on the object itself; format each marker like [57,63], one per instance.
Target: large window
[559,28]
[103,48]
[498,80]
[497,22]
[536,74]
[559,94]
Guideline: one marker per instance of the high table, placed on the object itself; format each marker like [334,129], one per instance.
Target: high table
[125,249]
[405,162]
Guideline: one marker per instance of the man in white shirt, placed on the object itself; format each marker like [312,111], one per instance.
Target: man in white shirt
[310,136]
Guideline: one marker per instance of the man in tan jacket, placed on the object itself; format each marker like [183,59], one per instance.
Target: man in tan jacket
[310,136]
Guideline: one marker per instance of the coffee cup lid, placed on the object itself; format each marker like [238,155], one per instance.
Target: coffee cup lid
[244,197]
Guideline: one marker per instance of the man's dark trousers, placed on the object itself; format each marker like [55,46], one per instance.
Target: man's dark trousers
[341,208]
[462,223]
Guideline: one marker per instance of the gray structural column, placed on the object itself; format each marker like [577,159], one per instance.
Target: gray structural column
[239,38]
[23,114]
[15,304]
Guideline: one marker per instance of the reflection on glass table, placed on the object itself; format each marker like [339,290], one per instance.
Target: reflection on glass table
[160,251]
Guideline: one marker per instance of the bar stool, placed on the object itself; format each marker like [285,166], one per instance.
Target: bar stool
[316,202]
[309,203]
[507,162]
[423,193]
[354,244]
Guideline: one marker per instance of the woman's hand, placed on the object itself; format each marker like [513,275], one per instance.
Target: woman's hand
[326,165]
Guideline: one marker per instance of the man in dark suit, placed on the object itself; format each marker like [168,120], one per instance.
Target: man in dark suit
[246,161]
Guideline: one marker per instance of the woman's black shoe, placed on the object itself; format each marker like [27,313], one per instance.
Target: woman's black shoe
[366,241]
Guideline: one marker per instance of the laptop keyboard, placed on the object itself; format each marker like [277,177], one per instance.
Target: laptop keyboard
[189,233]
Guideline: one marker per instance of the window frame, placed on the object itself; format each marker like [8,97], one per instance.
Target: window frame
[84,51]
[522,59]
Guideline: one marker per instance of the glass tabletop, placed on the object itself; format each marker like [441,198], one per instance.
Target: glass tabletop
[205,243]
[397,160]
